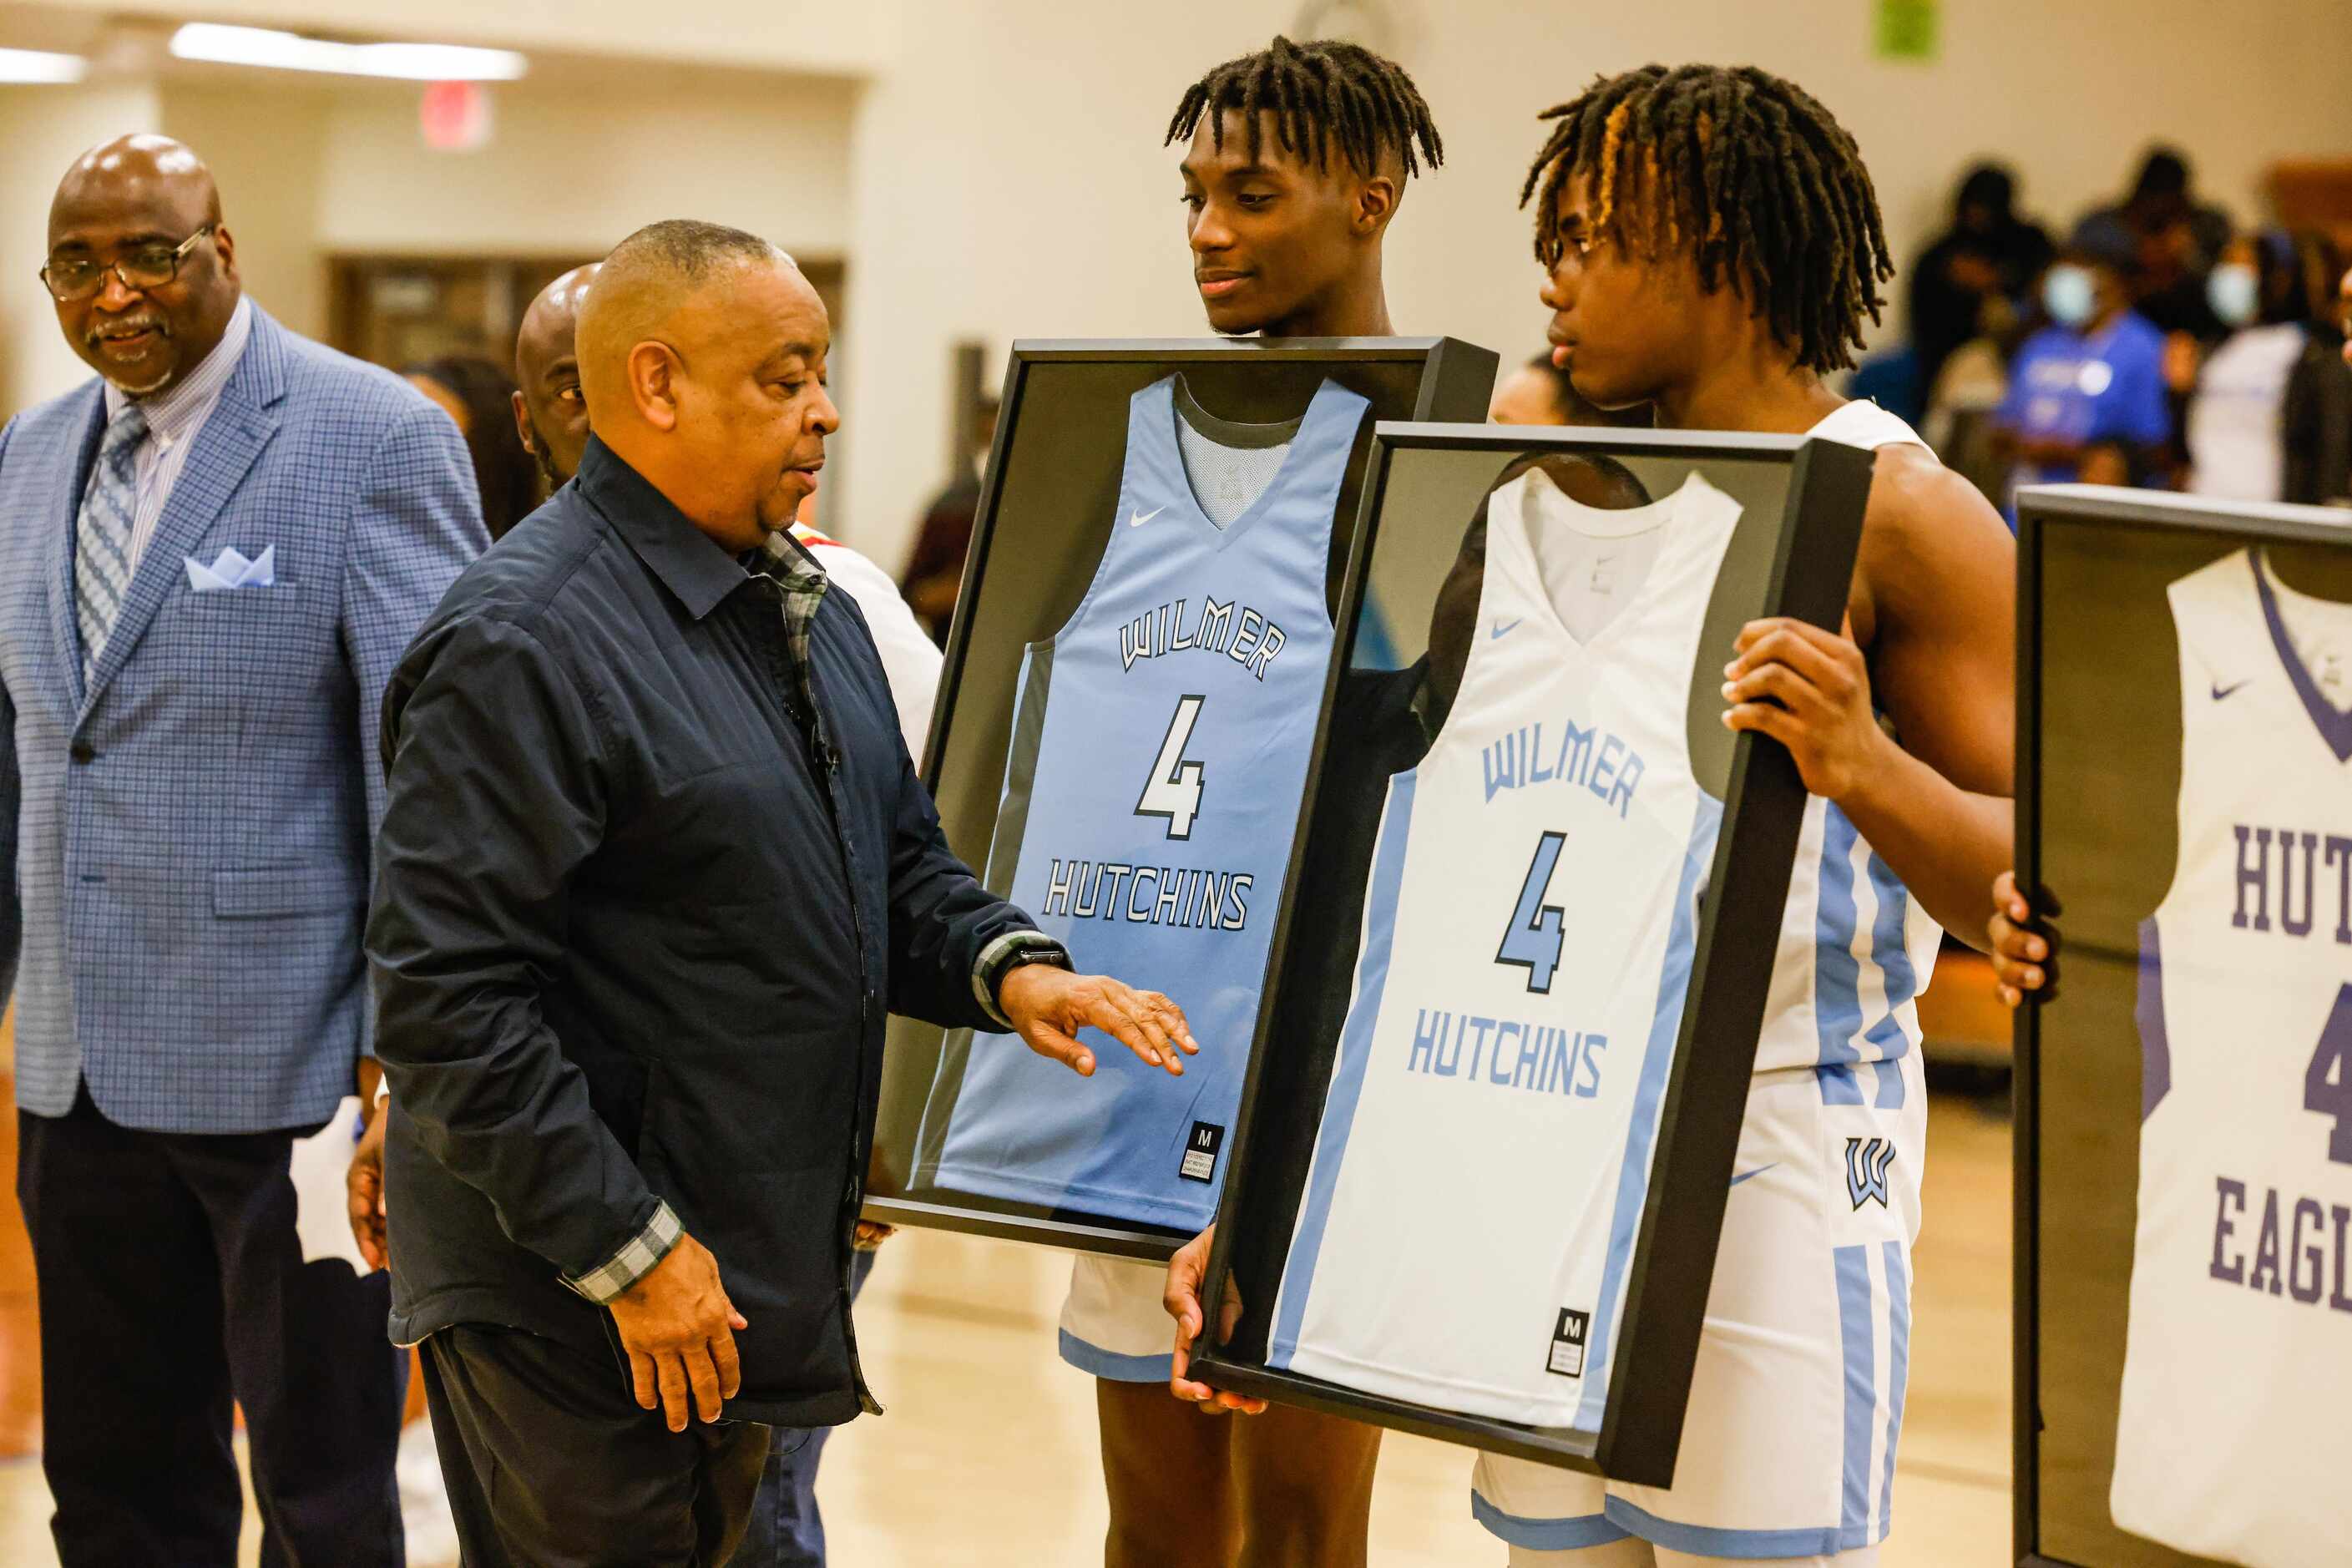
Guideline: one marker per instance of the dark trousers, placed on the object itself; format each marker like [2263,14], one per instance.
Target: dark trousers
[786,1530]
[552,1463]
[170,1282]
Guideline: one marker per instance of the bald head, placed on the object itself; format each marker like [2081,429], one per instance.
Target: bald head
[126,207]
[146,172]
[702,365]
[549,410]
[659,283]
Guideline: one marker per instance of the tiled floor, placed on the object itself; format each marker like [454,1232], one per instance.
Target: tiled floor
[987,1456]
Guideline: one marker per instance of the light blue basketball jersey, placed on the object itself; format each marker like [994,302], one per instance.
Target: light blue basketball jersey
[1159,754]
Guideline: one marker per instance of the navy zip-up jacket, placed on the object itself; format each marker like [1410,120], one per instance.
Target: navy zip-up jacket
[637,920]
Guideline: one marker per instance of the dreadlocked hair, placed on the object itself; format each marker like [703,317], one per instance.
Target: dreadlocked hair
[1321,94]
[1749,171]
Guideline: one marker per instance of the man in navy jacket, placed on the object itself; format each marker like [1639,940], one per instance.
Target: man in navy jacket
[655,867]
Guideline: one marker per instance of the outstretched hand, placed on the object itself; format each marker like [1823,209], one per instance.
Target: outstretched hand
[1181,1297]
[1048,1007]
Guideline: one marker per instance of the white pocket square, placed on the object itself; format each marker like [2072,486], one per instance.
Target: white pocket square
[232,570]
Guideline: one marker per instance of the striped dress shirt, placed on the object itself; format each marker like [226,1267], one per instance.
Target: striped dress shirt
[175,418]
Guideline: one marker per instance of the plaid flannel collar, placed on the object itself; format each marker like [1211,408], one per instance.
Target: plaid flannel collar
[800,584]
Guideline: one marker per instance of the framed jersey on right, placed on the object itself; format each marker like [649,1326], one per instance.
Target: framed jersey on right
[2184,1091]
[1517,1000]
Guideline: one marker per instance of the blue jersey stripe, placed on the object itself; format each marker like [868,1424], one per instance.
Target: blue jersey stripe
[1898,1370]
[1890,950]
[1657,1061]
[1545,1534]
[1857,1320]
[1710,1540]
[2147,1012]
[1348,1083]
[1115,1366]
[1837,974]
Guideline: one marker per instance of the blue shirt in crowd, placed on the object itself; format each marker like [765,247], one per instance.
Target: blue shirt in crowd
[2108,385]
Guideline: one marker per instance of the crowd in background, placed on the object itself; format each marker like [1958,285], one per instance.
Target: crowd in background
[2160,344]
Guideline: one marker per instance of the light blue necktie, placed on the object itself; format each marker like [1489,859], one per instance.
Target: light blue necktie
[102,537]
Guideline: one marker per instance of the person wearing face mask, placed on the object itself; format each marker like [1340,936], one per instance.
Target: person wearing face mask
[2236,426]
[2094,376]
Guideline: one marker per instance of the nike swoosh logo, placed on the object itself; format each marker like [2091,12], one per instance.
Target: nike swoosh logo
[2221,692]
[1757,1172]
[1502,630]
[1137,519]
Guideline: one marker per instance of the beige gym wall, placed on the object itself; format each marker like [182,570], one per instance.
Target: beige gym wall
[993,168]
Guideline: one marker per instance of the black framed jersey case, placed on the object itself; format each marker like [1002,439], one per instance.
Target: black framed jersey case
[2184,1091]
[1134,681]
[1527,939]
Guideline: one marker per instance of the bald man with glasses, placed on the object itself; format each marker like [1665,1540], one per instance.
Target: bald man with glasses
[211,557]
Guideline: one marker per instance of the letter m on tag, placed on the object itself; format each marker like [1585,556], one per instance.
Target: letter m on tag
[1200,1161]
[1867,1161]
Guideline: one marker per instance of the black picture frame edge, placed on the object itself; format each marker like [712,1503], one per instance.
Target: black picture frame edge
[1103,1240]
[1731,974]
[1343,652]
[2039,509]
[2025,1404]
[2171,509]
[1451,367]
[1640,1448]
[1395,1415]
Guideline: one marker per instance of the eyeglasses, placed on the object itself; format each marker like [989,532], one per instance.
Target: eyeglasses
[149,267]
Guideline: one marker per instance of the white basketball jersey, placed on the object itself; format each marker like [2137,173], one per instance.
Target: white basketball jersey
[1479,1173]
[2238,1366]
[1796,1402]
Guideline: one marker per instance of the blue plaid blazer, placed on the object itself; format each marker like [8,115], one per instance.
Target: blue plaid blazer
[185,838]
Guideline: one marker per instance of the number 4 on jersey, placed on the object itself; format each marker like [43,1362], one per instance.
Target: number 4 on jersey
[2327,1081]
[1173,790]
[1533,939]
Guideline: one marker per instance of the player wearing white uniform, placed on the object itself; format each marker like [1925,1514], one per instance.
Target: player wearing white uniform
[2245,1145]
[1714,249]
[1796,1401]
[1503,1001]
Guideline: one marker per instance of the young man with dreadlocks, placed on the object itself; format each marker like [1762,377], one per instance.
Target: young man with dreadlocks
[1713,246]
[1296,158]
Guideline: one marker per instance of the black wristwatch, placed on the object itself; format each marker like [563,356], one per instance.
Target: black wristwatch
[1035,947]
